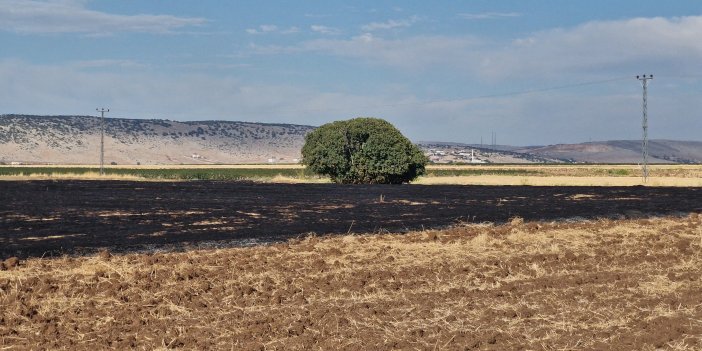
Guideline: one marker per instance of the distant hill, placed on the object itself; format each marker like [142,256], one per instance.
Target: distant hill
[621,151]
[76,140]
[616,151]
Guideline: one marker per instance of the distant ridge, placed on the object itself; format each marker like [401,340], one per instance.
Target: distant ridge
[614,151]
[622,151]
[27,139]
[76,140]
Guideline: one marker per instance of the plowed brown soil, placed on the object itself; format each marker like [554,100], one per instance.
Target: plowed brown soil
[589,285]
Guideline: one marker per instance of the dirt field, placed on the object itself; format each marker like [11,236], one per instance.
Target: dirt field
[45,218]
[588,285]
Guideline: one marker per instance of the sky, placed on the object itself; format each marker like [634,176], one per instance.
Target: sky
[535,72]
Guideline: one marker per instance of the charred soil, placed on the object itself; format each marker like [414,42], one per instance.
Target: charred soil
[52,218]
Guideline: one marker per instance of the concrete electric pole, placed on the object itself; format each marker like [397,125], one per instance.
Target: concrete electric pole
[644,147]
[102,138]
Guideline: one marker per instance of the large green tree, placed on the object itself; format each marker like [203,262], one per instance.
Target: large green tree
[362,151]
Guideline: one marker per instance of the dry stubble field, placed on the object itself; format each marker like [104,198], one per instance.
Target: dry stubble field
[631,284]
[598,284]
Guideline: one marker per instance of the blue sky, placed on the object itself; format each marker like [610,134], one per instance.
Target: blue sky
[535,72]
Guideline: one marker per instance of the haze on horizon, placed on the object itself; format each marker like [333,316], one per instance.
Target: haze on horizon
[537,72]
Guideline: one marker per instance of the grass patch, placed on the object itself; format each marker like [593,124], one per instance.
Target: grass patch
[458,172]
[529,174]
[619,172]
[170,174]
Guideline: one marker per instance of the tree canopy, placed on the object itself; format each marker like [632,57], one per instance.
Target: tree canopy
[362,151]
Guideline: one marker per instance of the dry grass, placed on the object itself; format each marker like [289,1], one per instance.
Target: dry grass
[593,285]
[572,175]
[79,176]
[172,166]
[560,181]
[294,180]
[691,170]
[548,175]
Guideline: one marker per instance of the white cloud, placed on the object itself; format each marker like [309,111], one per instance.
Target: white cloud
[324,29]
[267,50]
[209,66]
[272,28]
[593,50]
[107,63]
[488,15]
[268,28]
[413,52]
[264,28]
[291,30]
[69,89]
[538,118]
[51,17]
[636,45]
[390,24]
[365,37]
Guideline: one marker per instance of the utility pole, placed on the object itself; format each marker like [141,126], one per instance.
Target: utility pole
[644,145]
[102,138]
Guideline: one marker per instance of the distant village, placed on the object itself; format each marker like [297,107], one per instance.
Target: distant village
[455,155]
[447,153]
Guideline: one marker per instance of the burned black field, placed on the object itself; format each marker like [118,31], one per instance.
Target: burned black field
[49,218]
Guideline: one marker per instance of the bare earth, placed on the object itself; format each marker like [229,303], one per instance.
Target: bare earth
[588,285]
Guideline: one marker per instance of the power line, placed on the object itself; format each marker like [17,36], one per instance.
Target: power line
[102,138]
[436,101]
[478,97]
[644,123]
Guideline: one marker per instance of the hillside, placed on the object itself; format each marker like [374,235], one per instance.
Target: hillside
[615,151]
[621,151]
[76,140]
